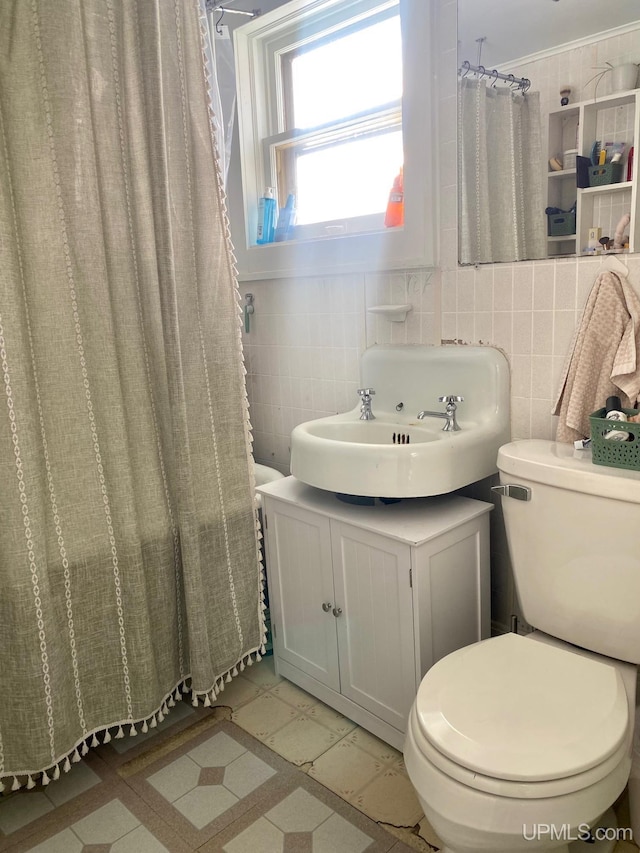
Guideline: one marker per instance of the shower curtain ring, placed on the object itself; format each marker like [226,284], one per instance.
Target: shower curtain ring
[218,27]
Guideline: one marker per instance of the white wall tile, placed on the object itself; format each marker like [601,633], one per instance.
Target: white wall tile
[542,333]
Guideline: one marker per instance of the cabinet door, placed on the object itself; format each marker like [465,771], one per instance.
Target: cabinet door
[375,628]
[301,594]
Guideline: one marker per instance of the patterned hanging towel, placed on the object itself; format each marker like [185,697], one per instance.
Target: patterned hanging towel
[603,357]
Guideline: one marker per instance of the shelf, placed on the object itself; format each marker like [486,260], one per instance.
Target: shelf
[608,188]
[395,313]
[577,125]
[603,102]
[563,173]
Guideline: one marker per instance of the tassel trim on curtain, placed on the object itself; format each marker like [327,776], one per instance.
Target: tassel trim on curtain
[30,778]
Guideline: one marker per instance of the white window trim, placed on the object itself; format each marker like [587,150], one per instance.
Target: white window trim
[412,245]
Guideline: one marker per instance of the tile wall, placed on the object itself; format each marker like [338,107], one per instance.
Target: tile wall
[307,335]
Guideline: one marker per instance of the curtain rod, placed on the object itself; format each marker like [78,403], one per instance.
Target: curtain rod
[519,82]
[226,10]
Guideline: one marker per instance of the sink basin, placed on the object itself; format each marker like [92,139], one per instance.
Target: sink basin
[343,428]
[396,455]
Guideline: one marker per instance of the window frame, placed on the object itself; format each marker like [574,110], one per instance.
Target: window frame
[259,45]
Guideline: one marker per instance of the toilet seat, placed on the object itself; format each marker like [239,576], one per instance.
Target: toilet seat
[509,714]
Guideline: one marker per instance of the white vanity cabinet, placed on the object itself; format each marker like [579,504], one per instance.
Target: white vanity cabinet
[364,599]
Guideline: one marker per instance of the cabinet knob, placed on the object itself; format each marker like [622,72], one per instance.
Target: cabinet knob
[326,606]
[337,611]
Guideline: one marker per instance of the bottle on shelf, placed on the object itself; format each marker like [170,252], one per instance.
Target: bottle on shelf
[266,218]
[286,219]
[394,215]
[613,412]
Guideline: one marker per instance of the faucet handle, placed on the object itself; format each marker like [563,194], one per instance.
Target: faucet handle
[366,392]
[451,398]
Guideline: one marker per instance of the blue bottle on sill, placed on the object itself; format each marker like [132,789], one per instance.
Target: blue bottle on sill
[286,219]
[266,218]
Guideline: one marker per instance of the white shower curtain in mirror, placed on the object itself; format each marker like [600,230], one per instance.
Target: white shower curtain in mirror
[501,205]
[129,567]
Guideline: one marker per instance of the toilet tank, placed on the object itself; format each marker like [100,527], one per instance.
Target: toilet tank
[575,546]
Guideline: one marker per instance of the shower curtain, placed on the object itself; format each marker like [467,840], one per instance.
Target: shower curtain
[222,85]
[129,566]
[501,206]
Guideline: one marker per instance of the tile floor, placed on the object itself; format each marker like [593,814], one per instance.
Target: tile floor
[270,769]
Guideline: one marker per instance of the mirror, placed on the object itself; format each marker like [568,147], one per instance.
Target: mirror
[555,44]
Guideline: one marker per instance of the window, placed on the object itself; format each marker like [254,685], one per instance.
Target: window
[328,90]
[342,142]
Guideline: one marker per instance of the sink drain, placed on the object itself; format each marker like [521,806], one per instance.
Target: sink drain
[401,438]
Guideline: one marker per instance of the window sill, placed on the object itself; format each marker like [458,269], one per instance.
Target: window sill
[332,255]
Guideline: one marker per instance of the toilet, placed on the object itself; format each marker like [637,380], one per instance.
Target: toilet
[520,743]
[263,474]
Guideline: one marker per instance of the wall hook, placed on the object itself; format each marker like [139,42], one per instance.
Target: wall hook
[248,310]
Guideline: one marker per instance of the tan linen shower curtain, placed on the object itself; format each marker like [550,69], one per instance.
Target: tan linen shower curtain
[128,553]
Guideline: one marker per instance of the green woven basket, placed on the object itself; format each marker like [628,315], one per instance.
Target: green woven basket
[607,173]
[615,454]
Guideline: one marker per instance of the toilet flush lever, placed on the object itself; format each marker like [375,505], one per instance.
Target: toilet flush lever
[511,490]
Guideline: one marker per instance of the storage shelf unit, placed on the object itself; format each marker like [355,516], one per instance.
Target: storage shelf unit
[611,118]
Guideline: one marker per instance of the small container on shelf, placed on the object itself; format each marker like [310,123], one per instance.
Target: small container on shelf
[569,158]
[561,224]
[615,454]
[607,173]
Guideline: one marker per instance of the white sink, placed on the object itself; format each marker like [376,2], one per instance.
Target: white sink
[396,455]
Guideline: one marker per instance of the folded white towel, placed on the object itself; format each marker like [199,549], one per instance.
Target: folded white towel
[603,357]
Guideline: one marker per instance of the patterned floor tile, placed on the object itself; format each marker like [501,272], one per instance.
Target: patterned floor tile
[264,716]
[239,692]
[21,810]
[178,790]
[110,817]
[292,695]
[300,811]
[371,776]
[304,818]
[330,719]
[390,798]
[302,740]
[373,746]
[262,674]
[345,769]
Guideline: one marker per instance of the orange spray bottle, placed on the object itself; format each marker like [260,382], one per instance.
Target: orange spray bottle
[395,206]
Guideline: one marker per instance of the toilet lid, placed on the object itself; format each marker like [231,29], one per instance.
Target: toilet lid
[517,709]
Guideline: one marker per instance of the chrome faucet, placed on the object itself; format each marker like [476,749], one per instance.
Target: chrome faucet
[449,415]
[365,406]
